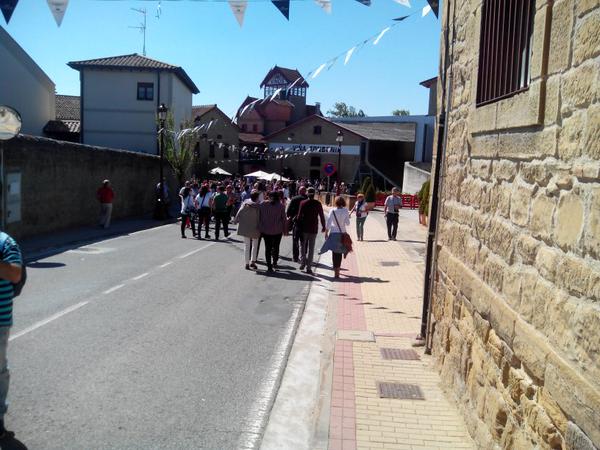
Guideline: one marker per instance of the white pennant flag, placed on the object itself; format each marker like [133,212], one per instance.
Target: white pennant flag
[381,35]
[425,11]
[318,71]
[325,5]
[58,9]
[239,9]
[404,2]
[349,55]
[275,94]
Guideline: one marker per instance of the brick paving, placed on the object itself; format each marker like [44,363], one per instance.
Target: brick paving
[381,292]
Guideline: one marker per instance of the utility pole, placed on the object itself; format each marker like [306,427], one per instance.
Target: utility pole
[142,27]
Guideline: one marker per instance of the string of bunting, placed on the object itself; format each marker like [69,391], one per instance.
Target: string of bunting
[58,8]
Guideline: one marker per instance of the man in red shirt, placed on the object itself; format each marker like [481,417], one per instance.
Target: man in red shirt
[105,196]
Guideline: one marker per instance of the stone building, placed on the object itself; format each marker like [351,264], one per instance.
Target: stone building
[515,314]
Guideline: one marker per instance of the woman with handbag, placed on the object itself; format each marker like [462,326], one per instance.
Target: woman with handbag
[204,204]
[187,209]
[247,220]
[338,240]
[360,207]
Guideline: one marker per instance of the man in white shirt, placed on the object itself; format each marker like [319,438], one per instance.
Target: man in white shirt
[391,209]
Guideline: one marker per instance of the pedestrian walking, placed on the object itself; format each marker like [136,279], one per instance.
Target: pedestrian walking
[309,214]
[221,212]
[362,211]
[247,219]
[187,210]
[336,234]
[272,225]
[292,213]
[105,196]
[391,209]
[11,272]
[203,205]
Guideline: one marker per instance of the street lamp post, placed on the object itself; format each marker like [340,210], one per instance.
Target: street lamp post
[339,139]
[160,210]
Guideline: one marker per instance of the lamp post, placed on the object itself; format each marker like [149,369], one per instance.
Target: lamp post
[160,210]
[339,139]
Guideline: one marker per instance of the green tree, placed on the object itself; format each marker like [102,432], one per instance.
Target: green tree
[179,147]
[401,112]
[370,192]
[423,196]
[365,184]
[341,109]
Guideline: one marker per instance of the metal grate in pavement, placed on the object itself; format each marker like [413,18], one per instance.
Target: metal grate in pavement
[389,263]
[399,353]
[400,391]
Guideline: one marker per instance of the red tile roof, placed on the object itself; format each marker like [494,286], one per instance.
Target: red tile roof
[251,138]
[200,110]
[135,61]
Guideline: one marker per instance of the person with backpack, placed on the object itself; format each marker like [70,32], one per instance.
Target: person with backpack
[12,279]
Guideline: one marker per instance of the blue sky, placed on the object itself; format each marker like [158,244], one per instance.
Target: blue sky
[228,62]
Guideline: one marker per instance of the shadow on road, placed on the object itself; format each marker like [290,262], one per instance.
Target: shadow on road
[298,276]
[45,265]
[11,443]
[352,279]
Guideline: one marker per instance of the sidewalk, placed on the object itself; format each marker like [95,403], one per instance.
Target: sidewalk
[374,390]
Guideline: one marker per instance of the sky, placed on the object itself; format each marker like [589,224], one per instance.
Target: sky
[227,62]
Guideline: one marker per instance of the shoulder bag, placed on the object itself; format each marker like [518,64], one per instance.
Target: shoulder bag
[346,239]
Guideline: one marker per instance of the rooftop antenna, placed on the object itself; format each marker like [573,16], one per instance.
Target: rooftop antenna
[142,27]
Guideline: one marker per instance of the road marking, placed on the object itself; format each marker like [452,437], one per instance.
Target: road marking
[195,251]
[41,323]
[113,289]
[139,277]
[166,264]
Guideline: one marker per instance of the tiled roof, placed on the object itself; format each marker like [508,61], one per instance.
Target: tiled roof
[252,138]
[62,126]
[200,110]
[67,107]
[290,75]
[135,61]
[384,131]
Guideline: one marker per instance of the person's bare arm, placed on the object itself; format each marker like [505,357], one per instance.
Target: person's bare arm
[11,272]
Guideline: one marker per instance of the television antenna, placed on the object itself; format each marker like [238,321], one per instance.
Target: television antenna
[141,27]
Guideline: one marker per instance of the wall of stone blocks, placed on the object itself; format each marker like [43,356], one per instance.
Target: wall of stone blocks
[59,182]
[516,302]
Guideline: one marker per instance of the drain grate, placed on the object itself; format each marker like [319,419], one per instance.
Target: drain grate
[389,263]
[400,391]
[399,353]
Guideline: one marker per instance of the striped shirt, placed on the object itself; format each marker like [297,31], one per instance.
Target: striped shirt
[272,219]
[10,254]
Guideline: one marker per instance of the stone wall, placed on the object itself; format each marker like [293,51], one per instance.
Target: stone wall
[59,182]
[516,301]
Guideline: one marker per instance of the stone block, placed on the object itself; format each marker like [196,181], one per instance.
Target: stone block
[560,36]
[546,262]
[504,170]
[570,140]
[569,220]
[539,172]
[553,410]
[511,286]
[482,327]
[552,101]
[586,319]
[521,203]
[574,395]
[591,147]
[542,213]
[584,6]
[531,348]
[521,110]
[527,248]
[579,86]
[481,168]
[573,275]
[586,44]
[493,272]
[527,145]
[485,146]
[499,238]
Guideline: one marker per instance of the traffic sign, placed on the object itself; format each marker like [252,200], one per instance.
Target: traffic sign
[329,169]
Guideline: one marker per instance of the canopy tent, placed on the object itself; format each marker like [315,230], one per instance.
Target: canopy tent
[260,175]
[276,176]
[218,171]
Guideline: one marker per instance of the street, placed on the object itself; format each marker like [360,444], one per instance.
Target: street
[150,341]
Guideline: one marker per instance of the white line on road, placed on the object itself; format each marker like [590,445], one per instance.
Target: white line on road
[139,277]
[166,264]
[41,323]
[113,289]
[195,251]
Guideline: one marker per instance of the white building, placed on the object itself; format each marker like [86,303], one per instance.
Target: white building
[120,96]
[25,87]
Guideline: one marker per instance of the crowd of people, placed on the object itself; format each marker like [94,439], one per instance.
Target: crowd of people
[265,212]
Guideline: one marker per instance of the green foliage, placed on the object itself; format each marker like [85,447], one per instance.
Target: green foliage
[179,148]
[365,184]
[423,196]
[370,192]
[341,109]
[401,112]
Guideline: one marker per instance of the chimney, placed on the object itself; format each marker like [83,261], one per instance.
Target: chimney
[318,108]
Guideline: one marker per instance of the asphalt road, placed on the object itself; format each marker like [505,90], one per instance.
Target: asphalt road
[150,341]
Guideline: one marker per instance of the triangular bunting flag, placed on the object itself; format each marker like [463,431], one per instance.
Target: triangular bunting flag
[400,19]
[365,2]
[239,9]
[426,10]
[349,55]
[283,6]
[325,5]
[376,41]
[435,6]
[8,7]
[58,9]
[403,2]
[318,71]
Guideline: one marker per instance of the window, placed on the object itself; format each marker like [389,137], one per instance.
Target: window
[254,128]
[315,160]
[317,129]
[505,49]
[211,150]
[145,91]
[244,127]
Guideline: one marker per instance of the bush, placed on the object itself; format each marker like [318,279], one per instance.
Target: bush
[370,193]
[365,184]
[423,196]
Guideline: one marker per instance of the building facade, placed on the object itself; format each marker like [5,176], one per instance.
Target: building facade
[25,87]
[516,273]
[120,96]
